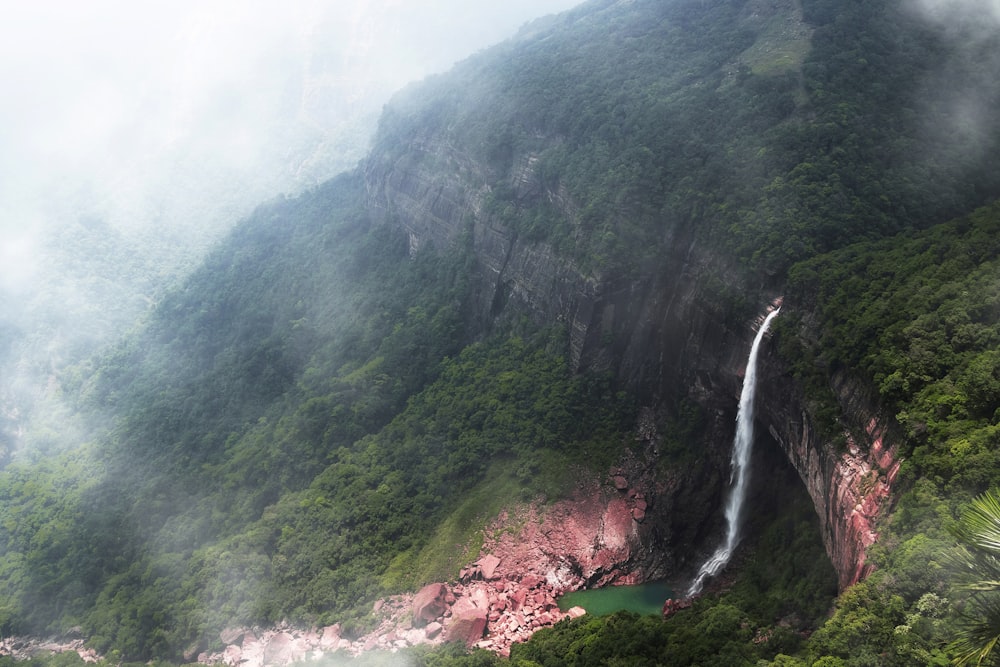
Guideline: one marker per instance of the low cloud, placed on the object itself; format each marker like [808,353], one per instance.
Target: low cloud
[135,133]
[981,17]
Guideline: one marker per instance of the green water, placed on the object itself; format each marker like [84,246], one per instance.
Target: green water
[642,599]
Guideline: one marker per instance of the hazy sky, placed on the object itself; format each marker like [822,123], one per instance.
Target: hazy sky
[133,110]
[134,132]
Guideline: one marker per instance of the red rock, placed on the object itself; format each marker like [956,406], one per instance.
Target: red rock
[233,655]
[279,649]
[231,635]
[518,596]
[330,637]
[488,566]
[638,514]
[429,603]
[620,482]
[531,580]
[433,629]
[640,504]
[468,622]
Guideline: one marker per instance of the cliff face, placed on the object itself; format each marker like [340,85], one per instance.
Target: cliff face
[850,481]
[664,330]
[658,324]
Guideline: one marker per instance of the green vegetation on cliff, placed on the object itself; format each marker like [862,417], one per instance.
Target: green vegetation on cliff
[300,426]
[652,117]
[273,456]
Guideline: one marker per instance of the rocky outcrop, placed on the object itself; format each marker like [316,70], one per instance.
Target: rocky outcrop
[26,648]
[849,477]
[531,555]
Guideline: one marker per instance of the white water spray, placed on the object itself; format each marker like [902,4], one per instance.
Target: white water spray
[739,472]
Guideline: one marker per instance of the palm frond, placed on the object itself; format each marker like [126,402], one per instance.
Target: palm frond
[979,526]
[979,634]
[977,560]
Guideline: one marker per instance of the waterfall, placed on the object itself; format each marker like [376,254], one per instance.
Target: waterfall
[739,464]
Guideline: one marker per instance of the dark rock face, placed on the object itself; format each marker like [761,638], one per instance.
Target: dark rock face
[664,331]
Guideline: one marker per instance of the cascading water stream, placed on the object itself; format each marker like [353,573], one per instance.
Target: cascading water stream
[739,464]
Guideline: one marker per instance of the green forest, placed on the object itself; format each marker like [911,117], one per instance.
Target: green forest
[319,413]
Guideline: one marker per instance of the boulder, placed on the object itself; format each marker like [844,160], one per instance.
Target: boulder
[468,621]
[517,597]
[432,630]
[429,603]
[231,635]
[232,656]
[331,637]
[280,649]
[488,566]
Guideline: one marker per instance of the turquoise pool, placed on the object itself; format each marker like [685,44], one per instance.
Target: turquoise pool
[642,599]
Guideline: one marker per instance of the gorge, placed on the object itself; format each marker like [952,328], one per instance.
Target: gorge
[502,358]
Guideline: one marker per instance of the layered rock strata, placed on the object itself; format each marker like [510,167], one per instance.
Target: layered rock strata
[849,478]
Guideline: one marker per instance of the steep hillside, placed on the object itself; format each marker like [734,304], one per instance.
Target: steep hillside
[545,279]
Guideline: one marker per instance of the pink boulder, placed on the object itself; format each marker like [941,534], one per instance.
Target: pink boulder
[429,603]
[432,630]
[488,565]
[468,622]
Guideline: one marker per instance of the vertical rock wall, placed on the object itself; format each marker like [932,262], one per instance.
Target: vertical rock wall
[667,330]
[849,477]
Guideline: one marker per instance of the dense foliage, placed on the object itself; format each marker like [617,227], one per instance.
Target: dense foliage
[300,426]
[301,448]
[657,117]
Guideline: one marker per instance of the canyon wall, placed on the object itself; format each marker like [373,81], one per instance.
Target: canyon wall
[679,327]
[849,475]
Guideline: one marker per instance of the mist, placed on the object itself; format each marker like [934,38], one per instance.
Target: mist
[136,134]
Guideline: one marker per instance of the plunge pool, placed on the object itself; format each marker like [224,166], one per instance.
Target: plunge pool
[642,599]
